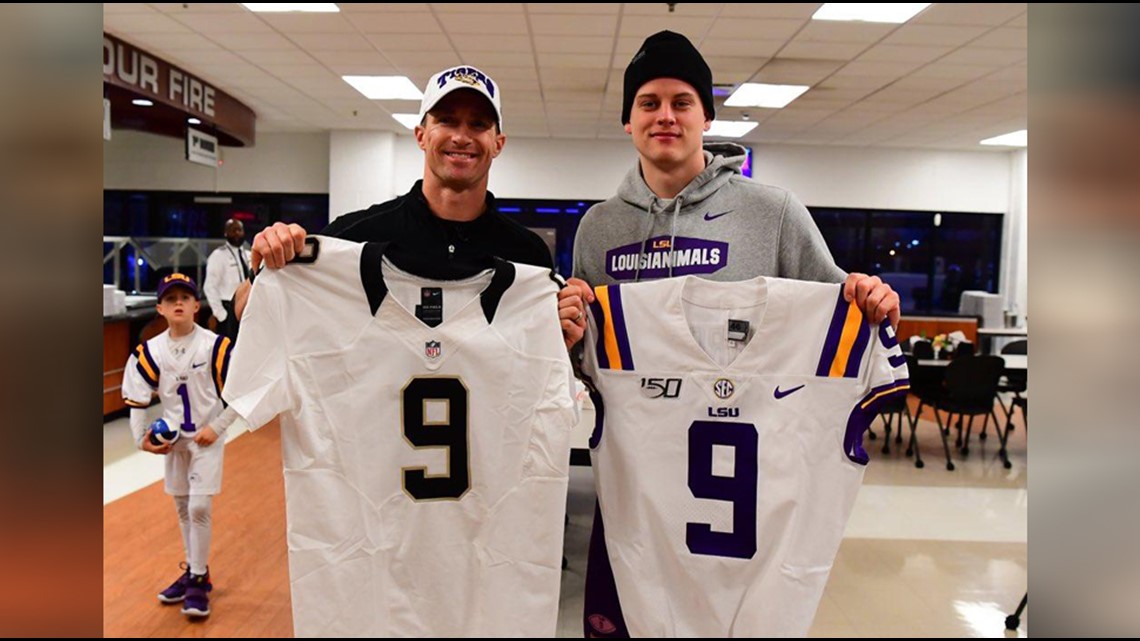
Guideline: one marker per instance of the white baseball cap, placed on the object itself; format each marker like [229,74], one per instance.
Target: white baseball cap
[461,77]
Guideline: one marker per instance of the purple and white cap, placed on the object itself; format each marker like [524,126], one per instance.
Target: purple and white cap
[177,280]
[461,77]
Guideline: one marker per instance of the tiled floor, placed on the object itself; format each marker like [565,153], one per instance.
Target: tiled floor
[928,552]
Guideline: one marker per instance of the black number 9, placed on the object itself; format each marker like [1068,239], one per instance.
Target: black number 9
[451,432]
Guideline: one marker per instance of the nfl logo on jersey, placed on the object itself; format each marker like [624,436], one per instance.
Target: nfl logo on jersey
[432,349]
[160,433]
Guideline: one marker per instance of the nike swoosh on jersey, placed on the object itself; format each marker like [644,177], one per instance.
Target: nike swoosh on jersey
[196,365]
[709,216]
[779,394]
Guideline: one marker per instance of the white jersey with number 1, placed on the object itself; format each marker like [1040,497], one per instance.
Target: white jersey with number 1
[187,374]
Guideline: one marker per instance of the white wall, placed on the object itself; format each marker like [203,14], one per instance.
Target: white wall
[359,168]
[1015,280]
[888,178]
[360,171]
[279,162]
[542,168]
[820,176]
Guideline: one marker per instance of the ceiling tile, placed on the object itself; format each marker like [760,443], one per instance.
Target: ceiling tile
[398,23]
[751,29]
[489,25]
[970,13]
[573,25]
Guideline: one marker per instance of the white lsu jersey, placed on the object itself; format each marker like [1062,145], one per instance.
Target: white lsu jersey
[727,451]
[426,453]
[187,374]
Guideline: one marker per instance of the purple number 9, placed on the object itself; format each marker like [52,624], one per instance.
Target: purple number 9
[740,488]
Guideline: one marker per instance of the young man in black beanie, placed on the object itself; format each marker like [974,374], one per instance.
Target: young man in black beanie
[684,208]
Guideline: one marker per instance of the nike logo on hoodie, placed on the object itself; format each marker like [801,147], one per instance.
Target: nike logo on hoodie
[710,216]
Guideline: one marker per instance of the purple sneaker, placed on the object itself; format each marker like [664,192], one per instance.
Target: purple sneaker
[197,601]
[177,590]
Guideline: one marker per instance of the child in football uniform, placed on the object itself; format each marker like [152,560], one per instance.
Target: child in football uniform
[185,366]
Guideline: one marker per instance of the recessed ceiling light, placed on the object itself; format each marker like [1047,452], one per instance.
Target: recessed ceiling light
[1012,139]
[142,102]
[385,87]
[870,11]
[282,7]
[730,128]
[755,94]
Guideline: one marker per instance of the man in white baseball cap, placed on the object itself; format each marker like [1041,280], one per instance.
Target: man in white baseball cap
[462,77]
[448,217]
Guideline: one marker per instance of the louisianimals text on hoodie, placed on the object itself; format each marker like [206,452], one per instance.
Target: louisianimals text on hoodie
[722,226]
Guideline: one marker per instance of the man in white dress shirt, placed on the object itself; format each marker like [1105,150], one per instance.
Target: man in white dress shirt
[227,266]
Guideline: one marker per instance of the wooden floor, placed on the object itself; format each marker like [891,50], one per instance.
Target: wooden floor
[249,564]
[142,547]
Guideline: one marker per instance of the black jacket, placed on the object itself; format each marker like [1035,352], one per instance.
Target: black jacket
[443,249]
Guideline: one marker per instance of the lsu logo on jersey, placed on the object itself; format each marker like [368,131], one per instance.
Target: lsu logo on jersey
[724,412]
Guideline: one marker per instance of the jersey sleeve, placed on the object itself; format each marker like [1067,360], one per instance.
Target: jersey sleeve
[886,379]
[887,369]
[140,378]
[593,350]
[138,425]
[257,382]
[220,363]
[592,339]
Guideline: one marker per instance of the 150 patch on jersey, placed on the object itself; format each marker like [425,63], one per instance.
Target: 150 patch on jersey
[661,387]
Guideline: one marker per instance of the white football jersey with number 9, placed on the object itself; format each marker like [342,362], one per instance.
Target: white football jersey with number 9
[728,450]
[425,430]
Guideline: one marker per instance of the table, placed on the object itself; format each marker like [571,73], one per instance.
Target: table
[1014,362]
[1003,331]
[987,334]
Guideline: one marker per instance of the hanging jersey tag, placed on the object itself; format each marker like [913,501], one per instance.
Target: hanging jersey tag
[430,309]
[737,330]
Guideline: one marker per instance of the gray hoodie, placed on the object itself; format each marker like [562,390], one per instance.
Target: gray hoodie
[721,226]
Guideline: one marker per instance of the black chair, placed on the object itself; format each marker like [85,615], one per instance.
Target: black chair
[1013,621]
[926,385]
[1014,382]
[969,390]
[964,348]
[1020,346]
[1023,403]
[923,350]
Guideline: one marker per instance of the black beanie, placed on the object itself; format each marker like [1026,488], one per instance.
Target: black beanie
[667,55]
